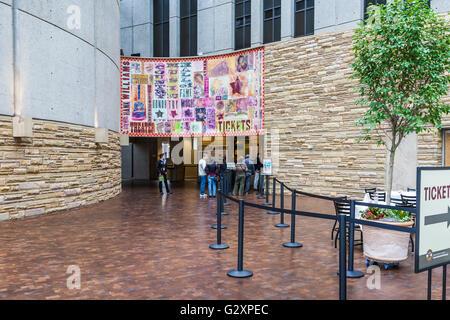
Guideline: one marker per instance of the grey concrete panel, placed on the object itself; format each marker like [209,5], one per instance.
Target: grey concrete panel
[324,14]
[287,19]
[6,61]
[107,30]
[142,12]
[126,13]
[126,40]
[56,12]
[205,31]
[405,164]
[440,5]
[348,11]
[57,72]
[107,93]
[203,4]
[174,35]
[257,23]
[224,27]
[142,40]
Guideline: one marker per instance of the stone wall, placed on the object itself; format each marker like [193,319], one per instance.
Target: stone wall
[60,168]
[310,100]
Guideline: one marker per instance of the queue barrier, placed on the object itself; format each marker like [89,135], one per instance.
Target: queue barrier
[345,270]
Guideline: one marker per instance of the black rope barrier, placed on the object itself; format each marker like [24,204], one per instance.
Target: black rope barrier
[345,271]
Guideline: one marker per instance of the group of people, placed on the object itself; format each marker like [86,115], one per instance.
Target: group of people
[244,170]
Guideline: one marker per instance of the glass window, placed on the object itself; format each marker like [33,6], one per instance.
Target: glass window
[242,13]
[161,28]
[272,21]
[188,28]
[304,17]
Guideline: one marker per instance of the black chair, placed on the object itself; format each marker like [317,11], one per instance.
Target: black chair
[409,201]
[411,190]
[381,196]
[335,222]
[343,207]
[397,202]
[401,203]
[372,190]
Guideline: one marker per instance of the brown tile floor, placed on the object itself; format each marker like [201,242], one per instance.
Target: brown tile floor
[140,245]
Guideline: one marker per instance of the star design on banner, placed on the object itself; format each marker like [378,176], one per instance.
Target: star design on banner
[159,114]
[174,113]
[236,86]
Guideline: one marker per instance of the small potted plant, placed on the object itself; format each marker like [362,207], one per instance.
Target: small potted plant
[382,245]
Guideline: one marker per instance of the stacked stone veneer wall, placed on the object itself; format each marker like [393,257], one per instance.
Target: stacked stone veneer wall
[310,100]
[60,168]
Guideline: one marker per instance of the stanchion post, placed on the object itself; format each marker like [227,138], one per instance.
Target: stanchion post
[240,272]
[274,191]
[293,244]
[342,258]
[350,272]
[267,203]
[430,273]
[282,224]
[219,245]
[221,196]
[219,209]
[225,187]
[444,282]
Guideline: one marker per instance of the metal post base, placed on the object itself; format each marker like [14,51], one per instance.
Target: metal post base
[267,203]
[217,246]
[239,274]
[226,204]
[353,274]
[273,212]
[281,225]
[224,213]
[221,227]
[260,197]
[292,245]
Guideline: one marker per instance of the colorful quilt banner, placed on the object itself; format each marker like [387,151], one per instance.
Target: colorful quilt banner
[204,96]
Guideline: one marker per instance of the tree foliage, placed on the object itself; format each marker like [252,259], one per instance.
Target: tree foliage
[402,60]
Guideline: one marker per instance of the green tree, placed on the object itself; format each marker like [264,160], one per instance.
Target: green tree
[402,56]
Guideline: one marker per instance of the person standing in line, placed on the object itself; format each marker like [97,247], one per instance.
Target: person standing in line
[239,182]
[202,174]
[161,167]
[249,173]
[258,175]
[212,171]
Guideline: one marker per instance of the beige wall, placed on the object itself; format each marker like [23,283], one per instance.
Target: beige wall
[60,168]
[310,100]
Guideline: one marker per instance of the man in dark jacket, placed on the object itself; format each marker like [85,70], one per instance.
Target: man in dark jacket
[249,173]
[161,167]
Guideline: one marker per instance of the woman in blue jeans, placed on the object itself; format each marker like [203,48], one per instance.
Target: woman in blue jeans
[212,172]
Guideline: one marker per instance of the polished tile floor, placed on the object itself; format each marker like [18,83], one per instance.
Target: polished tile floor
[141,245]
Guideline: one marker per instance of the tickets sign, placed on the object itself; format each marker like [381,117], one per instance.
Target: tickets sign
[433,218]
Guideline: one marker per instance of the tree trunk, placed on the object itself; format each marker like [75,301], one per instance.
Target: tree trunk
[390,175]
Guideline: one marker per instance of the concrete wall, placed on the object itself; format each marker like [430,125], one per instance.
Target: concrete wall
[136,27]
[6,61]
[64,71]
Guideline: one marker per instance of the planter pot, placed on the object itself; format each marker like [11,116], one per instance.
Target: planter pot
[384,245]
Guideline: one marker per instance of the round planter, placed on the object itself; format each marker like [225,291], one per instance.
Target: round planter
[384,245]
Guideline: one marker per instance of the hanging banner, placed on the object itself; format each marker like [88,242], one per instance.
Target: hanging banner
[203,96]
